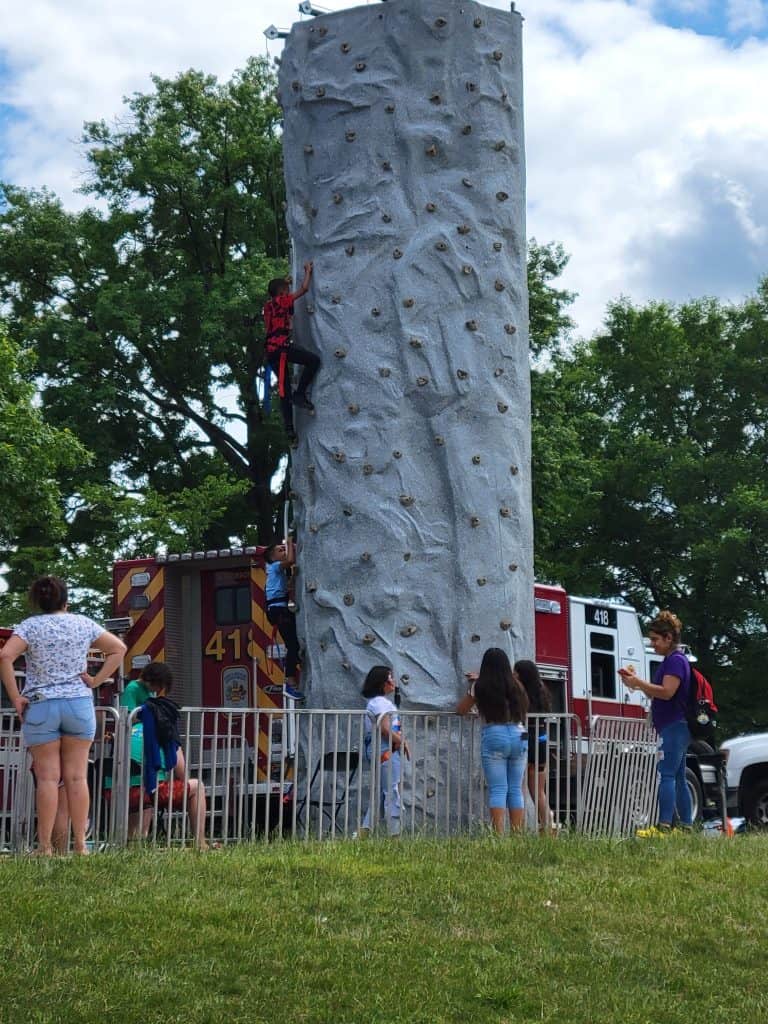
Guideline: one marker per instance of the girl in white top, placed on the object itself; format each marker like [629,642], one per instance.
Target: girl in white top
[56,707]
[378,688]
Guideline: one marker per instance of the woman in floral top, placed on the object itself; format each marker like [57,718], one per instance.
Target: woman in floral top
[56,707]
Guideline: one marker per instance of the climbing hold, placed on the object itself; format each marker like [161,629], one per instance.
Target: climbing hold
[360,66]
[366,556]
[406,500]
[375,311]
[404,679]
[440,22]
[397,254]
[430,207]
[345,47]
[349,600]
[504,513]
[350,250]
[415,343]
[323,645]
[462,374]
[513,567]
[311,468]
[505,624]
[481,581]
[441,246]
[369,638]
[510,328]
[309,150]
[397,454]
[292,495]
[497,246]
[498,372]
[501,406]
[322,31]
[502,196]
[384,371]
[421,381]
[313,211]
[463,229]
[474,521]
[466,269]
[471,325]
[408,303]
[504,97]
[340,353]
[367,469]
[475,460]
[407,556]
[313,528]
[353,408]
[295,86]
[408,631]
[347,511]
[514,470]
[339,457]
[471,87]
[475,638]
[497,54]
[337,197]
[439,441]
[390,108]
[435,98]
[498,146]
[466,183]
[477,22]
[431,150]
[386,217]
[467,129]
[310,310]
[350,136]
[499,286]
[311,586]
[386,166]
[346,666]
[335,299]
[320,91]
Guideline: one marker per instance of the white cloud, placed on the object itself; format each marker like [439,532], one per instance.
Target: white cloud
[640,137]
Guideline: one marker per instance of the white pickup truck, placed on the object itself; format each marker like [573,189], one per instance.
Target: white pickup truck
[747,777]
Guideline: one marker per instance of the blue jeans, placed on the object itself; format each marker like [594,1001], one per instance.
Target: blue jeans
[673,791]
[389,794]
[504,752]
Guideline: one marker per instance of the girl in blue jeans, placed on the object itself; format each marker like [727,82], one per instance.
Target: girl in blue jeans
[503,706]
[669,696]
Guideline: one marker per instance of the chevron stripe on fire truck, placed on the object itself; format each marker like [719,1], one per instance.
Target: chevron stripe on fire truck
[147,634]
[268,673]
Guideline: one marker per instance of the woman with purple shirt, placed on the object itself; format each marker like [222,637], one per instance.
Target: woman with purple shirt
[669,694]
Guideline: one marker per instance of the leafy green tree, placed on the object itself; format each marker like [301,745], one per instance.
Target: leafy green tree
[670,406]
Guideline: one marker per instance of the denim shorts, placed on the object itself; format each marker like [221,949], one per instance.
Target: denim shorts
[49,720]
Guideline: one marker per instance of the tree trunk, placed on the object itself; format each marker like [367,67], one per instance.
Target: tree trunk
[404,167]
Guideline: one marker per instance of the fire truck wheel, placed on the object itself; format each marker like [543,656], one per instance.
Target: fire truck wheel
[694,789]
[756,804]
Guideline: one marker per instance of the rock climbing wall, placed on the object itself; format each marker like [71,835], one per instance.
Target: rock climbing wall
[404,167]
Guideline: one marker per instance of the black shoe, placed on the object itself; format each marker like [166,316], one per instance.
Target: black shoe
[303,402]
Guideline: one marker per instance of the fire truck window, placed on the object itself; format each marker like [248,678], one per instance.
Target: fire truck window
[603,668]
[232,604]
[601,641]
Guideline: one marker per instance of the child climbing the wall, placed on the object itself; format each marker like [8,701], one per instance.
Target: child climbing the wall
[279,558]
[281,351]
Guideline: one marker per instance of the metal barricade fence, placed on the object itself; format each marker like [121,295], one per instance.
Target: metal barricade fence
[621,780]
[18,817]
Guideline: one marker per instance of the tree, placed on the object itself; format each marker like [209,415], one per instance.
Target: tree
[670,407]
[145,312]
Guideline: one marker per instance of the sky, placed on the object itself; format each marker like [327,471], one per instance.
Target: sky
[646,121]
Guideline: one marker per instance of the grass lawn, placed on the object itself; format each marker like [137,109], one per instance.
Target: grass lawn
[472,930]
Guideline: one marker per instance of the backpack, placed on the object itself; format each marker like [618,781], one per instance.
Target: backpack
[700,710]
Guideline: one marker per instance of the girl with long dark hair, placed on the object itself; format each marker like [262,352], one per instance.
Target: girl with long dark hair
[503,705]
[382,714]
[538,704]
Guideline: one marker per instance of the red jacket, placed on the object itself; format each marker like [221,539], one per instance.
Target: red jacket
[278,316]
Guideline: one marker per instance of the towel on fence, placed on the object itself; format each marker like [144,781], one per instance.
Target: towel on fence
[160,719]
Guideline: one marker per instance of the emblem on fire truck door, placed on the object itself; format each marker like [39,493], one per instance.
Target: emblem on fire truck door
[235,687]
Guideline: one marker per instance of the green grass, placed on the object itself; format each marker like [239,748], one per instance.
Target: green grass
[474,930]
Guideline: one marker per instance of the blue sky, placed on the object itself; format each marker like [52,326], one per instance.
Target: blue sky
[647,130]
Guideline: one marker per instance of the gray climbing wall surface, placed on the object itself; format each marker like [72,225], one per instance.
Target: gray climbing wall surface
[404,167]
